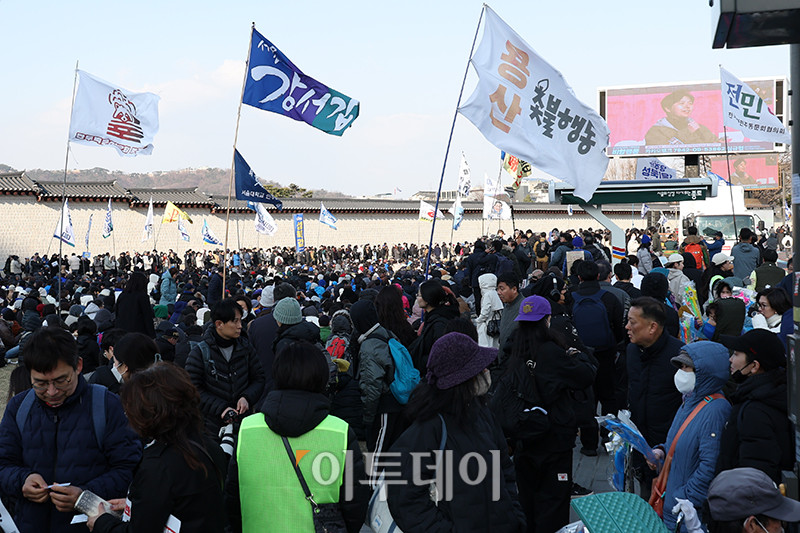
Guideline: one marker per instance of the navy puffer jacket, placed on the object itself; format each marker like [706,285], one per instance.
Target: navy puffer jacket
[60,445]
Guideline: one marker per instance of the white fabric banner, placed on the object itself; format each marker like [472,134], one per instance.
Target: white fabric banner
[108,224]
[426,211]
[264,222]
[495,209]
[651,168]
[464,182]
[64,230]
[491,186]
[107,115]
[523,106]
[182,230]
[148,223]
[743,109]
[458,213]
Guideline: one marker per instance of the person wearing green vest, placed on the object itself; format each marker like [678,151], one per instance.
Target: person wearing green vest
[263,492]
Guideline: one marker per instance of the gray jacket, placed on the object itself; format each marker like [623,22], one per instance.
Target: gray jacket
[507,322]
[375,370]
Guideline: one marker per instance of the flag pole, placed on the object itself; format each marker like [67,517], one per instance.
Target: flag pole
[64,188]
[730,182]
[449,140]
[233,162]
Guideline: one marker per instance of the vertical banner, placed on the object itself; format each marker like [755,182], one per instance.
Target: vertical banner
[299,233]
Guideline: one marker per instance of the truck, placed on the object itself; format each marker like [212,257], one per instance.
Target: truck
[719,214]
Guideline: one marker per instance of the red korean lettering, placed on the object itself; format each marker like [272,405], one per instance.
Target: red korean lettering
[515,68]
[511,111]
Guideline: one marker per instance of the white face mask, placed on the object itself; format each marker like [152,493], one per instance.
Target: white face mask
[684,381]
[116,372]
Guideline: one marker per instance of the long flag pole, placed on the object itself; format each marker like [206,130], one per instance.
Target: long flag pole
[64,189]
[730,182]
[233,161]
[449,139]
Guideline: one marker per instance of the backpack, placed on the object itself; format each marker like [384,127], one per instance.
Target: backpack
[337,347]
[697,251]
[98,412]
[406,376]
[590,317]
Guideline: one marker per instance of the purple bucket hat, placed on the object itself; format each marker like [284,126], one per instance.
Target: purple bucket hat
[456,358]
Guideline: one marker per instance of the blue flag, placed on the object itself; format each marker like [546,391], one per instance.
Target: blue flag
[250,187]
[325,216]
[275,84]
[299,232]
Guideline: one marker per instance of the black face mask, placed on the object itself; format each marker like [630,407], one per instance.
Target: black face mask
[739,378]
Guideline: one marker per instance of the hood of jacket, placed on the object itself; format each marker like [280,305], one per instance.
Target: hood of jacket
[291,413]
[487,282]
[302,331]
[711,368]
[746,248]
[364,315]
[730,318]
[693,239]
[768,388]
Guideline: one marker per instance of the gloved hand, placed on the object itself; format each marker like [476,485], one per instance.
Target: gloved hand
[690,519]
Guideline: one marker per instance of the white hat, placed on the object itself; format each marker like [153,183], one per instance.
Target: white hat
[720,259]
[674,258]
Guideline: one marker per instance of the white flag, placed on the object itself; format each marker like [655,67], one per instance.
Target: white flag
[458,213]
[523,106]
[108,225]
[464,182]
[491,186]
[645,209]
[148,223]
[264,222]
[107,115]
[89,230]
[651,168]
[743,109]
[495,209]
[208,235]
[569,209]
[426,211]
[786,211]
[182,230]
[64,231]
[325,216]
[662,221]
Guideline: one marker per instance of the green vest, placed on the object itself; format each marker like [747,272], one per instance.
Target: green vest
[270,494]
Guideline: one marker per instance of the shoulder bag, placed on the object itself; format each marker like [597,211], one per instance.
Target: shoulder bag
[660,483]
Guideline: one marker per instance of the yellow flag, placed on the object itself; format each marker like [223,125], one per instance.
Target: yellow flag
[172,213]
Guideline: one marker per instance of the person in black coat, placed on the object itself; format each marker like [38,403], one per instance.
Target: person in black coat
[479,262]
[534,405]
[451,415]
[263,331]
[88,349]
[652,396]
[181,474]
[656,286]
[232,378]
[690,269]
[758,433]
[291,326]
[134,312]
[440,308]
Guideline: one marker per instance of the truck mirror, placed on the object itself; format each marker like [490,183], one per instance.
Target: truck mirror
[686,223]
[761,225]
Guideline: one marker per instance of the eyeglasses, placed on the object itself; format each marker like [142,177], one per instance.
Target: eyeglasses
[61,383]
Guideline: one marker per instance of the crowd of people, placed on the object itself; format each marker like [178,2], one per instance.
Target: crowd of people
[305,385]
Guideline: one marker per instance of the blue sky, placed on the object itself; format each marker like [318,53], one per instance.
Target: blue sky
[403,61]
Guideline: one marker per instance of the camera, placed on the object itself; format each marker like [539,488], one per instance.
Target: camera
[230,417]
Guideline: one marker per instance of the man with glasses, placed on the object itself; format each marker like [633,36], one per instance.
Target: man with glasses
[62,437]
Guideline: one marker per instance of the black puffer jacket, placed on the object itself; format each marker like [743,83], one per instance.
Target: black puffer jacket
[291,413]
[434,326]
[222,383]
[289,333]
[471,507]
[758,433]
[653,398]
[556,374]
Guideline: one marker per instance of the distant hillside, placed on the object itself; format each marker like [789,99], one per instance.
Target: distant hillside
[208,180]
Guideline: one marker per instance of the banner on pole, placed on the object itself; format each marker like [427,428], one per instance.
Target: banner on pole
[148,223]
[325,216]
[89,230]
[299,232]
[108,225]
[173,213]
[464,181]
[426,211]
[743,109]
[524,106]
[182,230]
[264,222]
[208,235]
[275,84]
[458,213]
[495,209]
[106,115]
[250,187]
[64,231]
